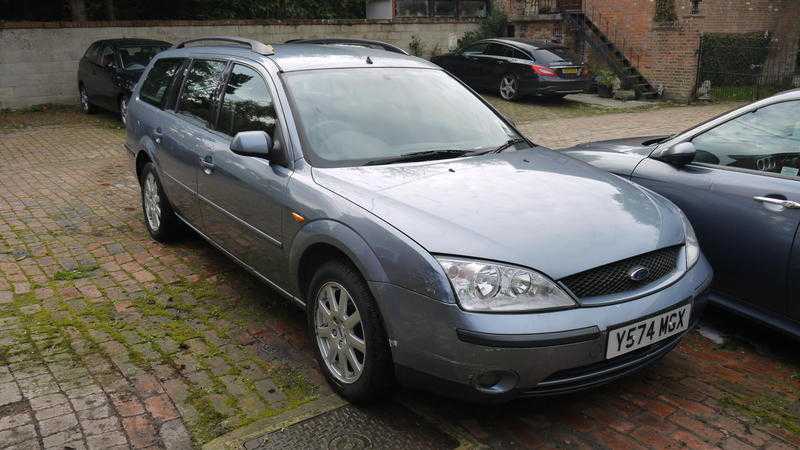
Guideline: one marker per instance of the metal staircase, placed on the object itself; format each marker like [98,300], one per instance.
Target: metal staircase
[587,31]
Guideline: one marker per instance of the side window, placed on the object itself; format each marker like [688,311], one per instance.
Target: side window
[197,99]
[767,139]
[476,49]
[518,54]
[247,104]
[496,50]
[106,56]
[155,86]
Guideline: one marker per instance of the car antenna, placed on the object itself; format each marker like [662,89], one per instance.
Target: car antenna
[369,60]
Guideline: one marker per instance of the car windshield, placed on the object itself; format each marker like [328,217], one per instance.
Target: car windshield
[136,57]
[550,55]
[352,117]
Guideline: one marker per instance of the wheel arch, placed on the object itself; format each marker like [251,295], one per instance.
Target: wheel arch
[322,240]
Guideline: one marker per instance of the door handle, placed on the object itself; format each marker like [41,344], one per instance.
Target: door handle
[788,204]
[207,165]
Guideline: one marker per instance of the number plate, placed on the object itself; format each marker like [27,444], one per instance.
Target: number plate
[645,332]
[570,70]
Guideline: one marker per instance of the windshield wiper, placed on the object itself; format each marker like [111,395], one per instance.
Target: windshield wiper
[419,156]
[508,144]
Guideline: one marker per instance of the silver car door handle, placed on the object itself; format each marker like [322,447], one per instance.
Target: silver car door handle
[207,166]
[776,201]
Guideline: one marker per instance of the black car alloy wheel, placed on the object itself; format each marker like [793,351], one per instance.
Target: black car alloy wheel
[509,87]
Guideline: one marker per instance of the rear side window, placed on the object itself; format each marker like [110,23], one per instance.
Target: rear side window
[247,105]
[157,83]
[554,55]
[496,50]
[200,88]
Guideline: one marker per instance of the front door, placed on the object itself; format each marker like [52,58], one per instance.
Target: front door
[104,91]
[732,192]
[243,197]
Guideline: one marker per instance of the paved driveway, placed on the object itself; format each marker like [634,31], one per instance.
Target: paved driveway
[108,339]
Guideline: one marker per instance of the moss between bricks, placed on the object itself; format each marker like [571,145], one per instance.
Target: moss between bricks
[765,409]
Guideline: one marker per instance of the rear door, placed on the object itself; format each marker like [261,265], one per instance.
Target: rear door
[743,169]
[185,136]
[243,198]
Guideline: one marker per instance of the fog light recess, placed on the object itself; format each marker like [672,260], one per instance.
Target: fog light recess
[496,381]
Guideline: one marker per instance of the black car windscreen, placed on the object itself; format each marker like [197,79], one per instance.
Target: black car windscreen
[552,55]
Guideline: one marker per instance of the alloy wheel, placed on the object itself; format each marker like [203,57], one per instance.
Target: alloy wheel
[508,87]
[84,98]
[123,110]
[152,202]
[339,333]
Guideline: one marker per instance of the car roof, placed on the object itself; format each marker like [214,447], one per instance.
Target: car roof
[132,41]
[525,44]
[293,57]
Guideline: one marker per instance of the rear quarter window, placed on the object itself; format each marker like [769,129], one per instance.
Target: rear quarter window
[156,85]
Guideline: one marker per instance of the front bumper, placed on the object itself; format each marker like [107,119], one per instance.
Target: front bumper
[441,347]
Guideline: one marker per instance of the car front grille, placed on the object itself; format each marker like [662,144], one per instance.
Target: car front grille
[616,277]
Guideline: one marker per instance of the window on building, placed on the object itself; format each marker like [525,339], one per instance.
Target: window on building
[473,8]
[412,8]
[442,8]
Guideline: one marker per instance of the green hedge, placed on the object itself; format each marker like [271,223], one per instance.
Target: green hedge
[733,59]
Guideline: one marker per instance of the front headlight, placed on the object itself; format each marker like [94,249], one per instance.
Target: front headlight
[692,246]
[489,287]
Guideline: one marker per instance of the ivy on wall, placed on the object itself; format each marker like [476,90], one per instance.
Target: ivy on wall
[665,11]
[733,59]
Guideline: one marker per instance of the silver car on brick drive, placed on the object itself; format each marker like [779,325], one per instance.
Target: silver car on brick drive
[429,241]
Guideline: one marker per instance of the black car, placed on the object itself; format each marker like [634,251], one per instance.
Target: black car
[110,68]
[517,67]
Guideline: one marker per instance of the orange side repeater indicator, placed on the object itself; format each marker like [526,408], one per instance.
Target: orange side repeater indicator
[298,218]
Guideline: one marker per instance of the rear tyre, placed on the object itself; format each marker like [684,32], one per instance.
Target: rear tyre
[83,97]
[509,87]
[159,218]
[349,341]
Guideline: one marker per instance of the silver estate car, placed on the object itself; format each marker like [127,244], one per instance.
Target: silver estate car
[429,241]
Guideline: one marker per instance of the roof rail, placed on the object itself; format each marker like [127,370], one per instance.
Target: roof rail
[256,46]
[348,41]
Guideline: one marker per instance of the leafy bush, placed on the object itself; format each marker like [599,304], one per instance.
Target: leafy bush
[733,59]
[416,46]
[605,77]
[491,26]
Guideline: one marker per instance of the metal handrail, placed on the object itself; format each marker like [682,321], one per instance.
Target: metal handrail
[255,46]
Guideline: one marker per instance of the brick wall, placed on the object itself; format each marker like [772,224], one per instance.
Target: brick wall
[667,55]
[39,61]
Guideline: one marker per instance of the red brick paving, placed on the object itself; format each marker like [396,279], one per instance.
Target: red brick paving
[155,342]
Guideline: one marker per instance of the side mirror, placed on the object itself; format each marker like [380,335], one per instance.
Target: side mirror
[679,154]
[252,143]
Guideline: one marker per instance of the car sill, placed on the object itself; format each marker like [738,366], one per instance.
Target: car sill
[283,291]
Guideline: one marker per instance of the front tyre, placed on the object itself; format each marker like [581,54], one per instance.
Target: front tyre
[159,218]
[348,336]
